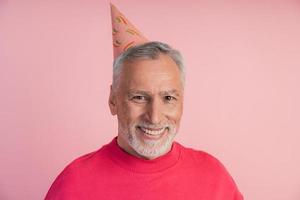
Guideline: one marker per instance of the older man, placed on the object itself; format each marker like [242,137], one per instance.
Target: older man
[147,97]
[143,162]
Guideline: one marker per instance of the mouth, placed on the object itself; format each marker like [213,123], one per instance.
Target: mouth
[149,133]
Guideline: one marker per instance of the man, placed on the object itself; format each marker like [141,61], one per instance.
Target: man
[143,161]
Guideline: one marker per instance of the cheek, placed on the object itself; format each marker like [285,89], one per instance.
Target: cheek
[175,113]
[135,111]
[122,112]
[130,112]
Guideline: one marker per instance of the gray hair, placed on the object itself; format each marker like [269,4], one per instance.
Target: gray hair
[150,50]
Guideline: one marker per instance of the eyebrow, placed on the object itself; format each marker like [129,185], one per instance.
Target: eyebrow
[138,92]
[168,92]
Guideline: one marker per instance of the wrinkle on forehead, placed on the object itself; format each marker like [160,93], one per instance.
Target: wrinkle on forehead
[155,75]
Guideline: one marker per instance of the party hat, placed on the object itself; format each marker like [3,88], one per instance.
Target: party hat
[125,34]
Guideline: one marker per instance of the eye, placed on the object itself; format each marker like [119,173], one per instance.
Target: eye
[139,98]
[170,98]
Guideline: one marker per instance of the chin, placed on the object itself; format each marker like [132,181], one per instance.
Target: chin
[151,147]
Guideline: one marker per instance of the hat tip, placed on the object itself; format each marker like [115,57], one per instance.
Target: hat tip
[111,4]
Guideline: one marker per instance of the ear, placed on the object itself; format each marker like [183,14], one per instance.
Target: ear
[112,102]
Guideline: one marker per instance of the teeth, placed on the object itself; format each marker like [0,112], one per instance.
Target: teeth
[151,132]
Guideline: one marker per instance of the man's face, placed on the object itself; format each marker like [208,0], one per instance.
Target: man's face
[148,101]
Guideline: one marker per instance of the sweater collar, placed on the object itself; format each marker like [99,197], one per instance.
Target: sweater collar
[141,165]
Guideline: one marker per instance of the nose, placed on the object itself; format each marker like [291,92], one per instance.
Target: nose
[155,111]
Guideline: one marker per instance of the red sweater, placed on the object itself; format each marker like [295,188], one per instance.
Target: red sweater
[111,173]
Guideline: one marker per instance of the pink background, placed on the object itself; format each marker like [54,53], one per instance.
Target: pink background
[242,92]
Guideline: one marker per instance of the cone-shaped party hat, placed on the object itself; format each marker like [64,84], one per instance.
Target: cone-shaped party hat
[125,34]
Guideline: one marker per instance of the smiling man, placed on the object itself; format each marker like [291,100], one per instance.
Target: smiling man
[147,97]
[144,162]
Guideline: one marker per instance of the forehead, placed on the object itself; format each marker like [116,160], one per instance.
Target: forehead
[161,73]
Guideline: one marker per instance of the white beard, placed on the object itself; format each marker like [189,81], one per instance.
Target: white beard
[148,148]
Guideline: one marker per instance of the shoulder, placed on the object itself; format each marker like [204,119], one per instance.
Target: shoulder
[73,175]
[83,162]
[88,162]
[202,160]
[207,167]
[198,156]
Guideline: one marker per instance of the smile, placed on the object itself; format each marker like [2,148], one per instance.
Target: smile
[154,132]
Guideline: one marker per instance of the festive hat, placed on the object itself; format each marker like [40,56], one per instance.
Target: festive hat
[125,34]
